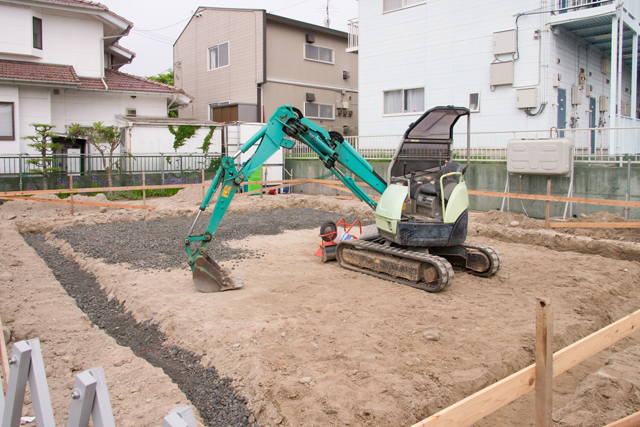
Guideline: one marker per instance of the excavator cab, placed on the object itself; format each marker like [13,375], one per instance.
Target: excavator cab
[435,202]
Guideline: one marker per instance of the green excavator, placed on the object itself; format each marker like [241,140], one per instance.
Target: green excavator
[420,219]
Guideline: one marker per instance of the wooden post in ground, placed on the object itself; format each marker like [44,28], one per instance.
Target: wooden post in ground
[4,359]
[544,362]
[203,188]
[71,194]
[144,193]
[548,204]
[309,180]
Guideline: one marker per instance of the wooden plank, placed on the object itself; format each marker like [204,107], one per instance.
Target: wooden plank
[548,207]
[581,350]
[248,193]
[632,420]
[4,360]
[63,201]
[71,194]
[544,362]
[144,193]
[555,198]
[483,403]
[488,400]
[203,186]
[595,224]
[6,194]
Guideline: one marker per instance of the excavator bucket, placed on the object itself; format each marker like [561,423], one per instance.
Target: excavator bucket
[209,276]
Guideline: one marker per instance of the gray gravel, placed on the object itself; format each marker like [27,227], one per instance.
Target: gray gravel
[159,244]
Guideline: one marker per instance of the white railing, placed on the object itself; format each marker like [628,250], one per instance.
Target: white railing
[581,4]
[354,31]
[591,144]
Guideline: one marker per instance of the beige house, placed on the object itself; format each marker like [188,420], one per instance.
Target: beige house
[242,64]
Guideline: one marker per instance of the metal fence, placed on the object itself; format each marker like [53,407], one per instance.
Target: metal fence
[80,164]
[591,144]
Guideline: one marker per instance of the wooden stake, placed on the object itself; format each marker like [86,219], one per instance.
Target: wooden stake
[71,194]
[548,204]
[544,363]
[203,187]
[4,359]
[144,193]
[310,180]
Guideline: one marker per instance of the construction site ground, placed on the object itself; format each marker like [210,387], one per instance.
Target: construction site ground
[305,343]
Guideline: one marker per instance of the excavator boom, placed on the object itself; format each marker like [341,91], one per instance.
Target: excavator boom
[286,121]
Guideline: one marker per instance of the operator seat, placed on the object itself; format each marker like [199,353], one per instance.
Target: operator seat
[448,183]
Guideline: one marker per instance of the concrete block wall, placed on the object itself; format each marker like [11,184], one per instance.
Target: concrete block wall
[594,181]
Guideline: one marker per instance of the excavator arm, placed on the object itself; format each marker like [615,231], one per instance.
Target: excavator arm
[287,121]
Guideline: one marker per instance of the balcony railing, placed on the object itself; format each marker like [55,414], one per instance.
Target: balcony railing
[353,35]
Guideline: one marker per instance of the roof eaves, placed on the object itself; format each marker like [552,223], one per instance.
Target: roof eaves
[306,26]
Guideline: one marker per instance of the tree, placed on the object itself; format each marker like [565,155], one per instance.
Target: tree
[166,78]
[105,140]
[43,143]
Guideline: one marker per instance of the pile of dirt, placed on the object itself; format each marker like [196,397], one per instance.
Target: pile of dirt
[508,219]
[607,395]
[625,234]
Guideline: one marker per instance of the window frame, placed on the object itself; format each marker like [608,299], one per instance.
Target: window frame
[304,53]
[33,31]
[12,137]
[209,55]
[411,113]
[477,110]
[333,111]
[404,6]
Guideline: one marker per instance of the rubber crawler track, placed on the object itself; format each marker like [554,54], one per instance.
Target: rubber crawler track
[494,258]
[444,268]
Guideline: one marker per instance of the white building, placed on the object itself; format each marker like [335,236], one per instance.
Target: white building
[518,65]
[59,63]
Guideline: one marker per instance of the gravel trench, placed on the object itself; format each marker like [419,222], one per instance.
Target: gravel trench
[158,244]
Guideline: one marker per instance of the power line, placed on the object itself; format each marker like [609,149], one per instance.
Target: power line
[153,38]
[156,36]
[169,26]
[288,7]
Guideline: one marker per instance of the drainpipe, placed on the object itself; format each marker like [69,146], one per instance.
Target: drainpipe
[102,39]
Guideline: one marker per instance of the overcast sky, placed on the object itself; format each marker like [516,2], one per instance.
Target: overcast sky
[157,24]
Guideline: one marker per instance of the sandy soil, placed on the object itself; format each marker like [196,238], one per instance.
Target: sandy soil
[311,344]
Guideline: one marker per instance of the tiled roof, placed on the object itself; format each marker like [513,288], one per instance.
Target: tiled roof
[87,83]
[38,72]
[86,3]
[115,80]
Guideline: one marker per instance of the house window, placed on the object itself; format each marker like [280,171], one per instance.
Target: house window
[37,33]
[6,121]
[318,53]
[404,101]
[219,56]
[474,102]
[319,111]
[389,5]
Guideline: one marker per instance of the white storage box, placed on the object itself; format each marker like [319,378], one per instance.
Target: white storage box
[553,156]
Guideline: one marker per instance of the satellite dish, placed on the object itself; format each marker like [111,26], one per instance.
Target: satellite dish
[327,22]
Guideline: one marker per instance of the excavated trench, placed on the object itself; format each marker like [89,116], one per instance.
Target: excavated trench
[159,244]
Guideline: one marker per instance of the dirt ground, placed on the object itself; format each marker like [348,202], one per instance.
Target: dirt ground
[310,344]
